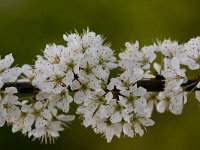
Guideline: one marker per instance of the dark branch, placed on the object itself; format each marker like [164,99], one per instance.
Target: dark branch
[153,85]
[22,87]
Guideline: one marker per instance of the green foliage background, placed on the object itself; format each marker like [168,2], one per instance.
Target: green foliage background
[27,25]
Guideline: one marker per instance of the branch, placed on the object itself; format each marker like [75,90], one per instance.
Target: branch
[153,85]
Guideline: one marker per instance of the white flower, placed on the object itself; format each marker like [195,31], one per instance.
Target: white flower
[126,79]
[51,130]
[70,60]
[96,58]
[83,43]
[172,100]
[6,62]
[106,58]
[133,58]
[191,57]
[90,68]
[18,125]
[113,129]
[101,113]
[38,115]
[9,106]
[157,68]
[54,81]
[137,127]
[29,73]
[52,53]
[41,122]
[128,130]
[80,73]
[172,73]
[97,100]
[61,101]
[51,74]
[84,87]
[108,129]
[132,106]
[8,74]
[40,118]
[171,49]
[152,100]
[141,123]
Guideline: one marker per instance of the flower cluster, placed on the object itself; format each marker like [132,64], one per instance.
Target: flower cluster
[9,104]
[80,73]
[8,73]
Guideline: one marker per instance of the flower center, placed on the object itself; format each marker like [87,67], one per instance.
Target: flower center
[88,69]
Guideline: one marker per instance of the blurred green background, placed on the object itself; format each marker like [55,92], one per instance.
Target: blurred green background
[27,25]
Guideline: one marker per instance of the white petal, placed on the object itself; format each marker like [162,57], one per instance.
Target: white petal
[161,106]
[102,112]
[109,96]
[111,65]
[176,106]
[46,114]
[2,121]
[11,75]
[117,117]
[11,90]
[109,134]
[198,85]
[56,126]
[66,118]
[79,97]
[149,108]
[117,129]
[40,122]
[9,59]
[127,129]
[1,83]
[142,91]
[99,72]
[25,108]
[42,95]
[138,129]
[38,105]
[146,122]
[75,85]
[27,70]
[197,95]
[140,103]
[17,125]
[14,113]
[157,67]
[175,63]
[65,106]
[29,120]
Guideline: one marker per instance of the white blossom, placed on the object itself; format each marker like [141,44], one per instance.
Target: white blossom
[8,74]
[171,49]
[80,72]
[50,131]
[191,57]
[9,106]
[172,100]
[96,58]
[174,75]
[126,79]
[29,73]
[132,57]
